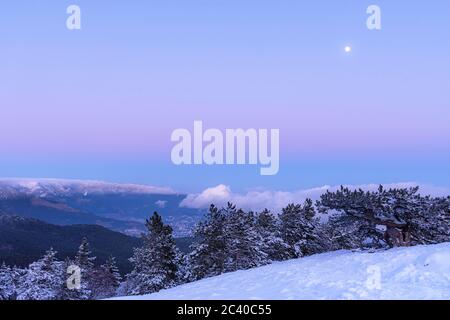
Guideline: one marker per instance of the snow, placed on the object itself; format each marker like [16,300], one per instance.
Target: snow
[44,187]
[421,272]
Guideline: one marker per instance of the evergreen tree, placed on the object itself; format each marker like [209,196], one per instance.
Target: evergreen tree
[301,230]
[272,243]
[244,245]
[394,217]
[85,261]
[9,278]
[431,224]
[209,253]
[155,263]
[106,280]
[227,240]
[43,279]
[342,233]
[70,292]
[308,210]
[184,274]
[84,258]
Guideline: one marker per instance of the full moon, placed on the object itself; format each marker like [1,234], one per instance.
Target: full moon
[348,49]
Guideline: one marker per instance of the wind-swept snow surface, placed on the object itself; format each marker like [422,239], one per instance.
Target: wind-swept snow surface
[421,272]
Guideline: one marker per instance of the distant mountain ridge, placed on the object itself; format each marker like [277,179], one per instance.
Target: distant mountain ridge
[60,213]
[119,207]
[24,240]
[11,187]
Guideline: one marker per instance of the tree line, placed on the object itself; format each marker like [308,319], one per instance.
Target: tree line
[50,278]
[230,239]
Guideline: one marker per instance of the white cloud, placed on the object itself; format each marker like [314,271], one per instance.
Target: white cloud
[218,195]
[275,200]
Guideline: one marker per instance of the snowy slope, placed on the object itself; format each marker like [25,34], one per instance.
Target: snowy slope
[421,272]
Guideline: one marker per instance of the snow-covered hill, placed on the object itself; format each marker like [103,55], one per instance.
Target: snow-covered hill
[421,272]
[51,187]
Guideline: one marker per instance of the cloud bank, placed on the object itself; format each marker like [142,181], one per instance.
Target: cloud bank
[275,200]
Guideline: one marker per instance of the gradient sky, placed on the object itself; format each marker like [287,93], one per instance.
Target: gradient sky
[101,103]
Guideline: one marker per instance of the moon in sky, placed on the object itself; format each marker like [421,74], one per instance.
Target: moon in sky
[348,49]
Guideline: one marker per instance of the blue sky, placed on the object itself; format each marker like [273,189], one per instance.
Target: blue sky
[101,102]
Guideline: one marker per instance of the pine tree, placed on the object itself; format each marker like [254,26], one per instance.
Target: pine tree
[84,258]
[111,268]
[70,292]
[431,224]
[227,240]
[243,243]
[342,233]
[7,287]
[106,280]
[184,273]
[300,229]
[43,279]
[272,244]
[209,253]
[308,210]
[394,217]
[155,263]
[85,261]
[9,278]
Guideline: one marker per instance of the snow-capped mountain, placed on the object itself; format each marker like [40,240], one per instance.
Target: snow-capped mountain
[60,187]
[421,272]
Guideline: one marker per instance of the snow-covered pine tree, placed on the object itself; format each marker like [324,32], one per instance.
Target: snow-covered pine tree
[106,279]
[300,229]
[208,254]
[431,224]
[343,233]
[308,210]
[85,261]
[110,266]
[272,243]
[399,217]
[244,245]
[9,279]
[290,228]
[184,272]
[69,292]
[354,220]
[84,258]
[315,241]
[43,280]
[155,263]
